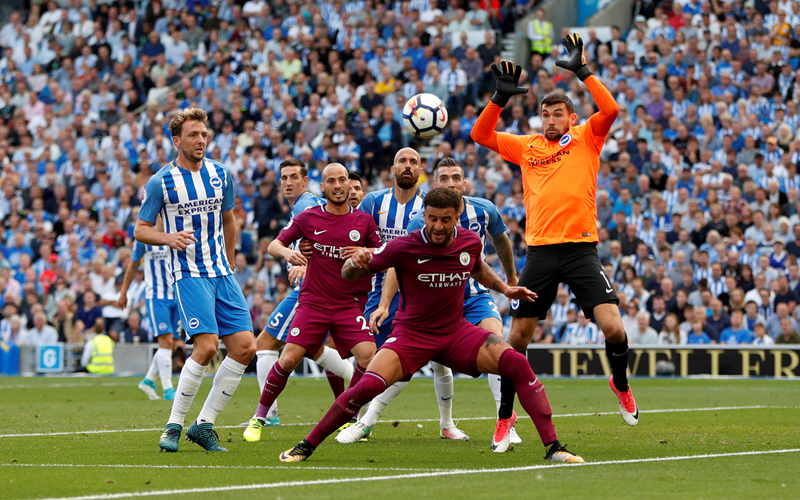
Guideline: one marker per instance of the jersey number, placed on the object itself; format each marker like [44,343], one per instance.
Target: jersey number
[494,308]
[364,325]
[276,320]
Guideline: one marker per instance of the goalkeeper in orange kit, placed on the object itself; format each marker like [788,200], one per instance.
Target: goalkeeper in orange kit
[559,179]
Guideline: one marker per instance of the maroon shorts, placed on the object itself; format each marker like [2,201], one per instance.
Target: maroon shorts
[313,322]
[458,349]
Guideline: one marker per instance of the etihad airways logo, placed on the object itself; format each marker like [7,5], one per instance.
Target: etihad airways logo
[330,251]
[444,280]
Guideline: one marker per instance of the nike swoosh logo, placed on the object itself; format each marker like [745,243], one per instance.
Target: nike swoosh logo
[273,385]
[637,413]
[352,402]
[532,382]
[494,446]
[382,213]
[447,399]
[320,232]
[422,261]
[178,188]
[187,395]
[609,290]
[225,393]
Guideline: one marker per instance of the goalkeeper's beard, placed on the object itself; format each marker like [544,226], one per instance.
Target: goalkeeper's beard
[554,134]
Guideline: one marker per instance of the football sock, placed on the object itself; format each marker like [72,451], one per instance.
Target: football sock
[188,383]
[359,372]
[333,362]
[265,361]
[164,356]
[532,397]
[443,385]
[276,382]
[381,402]
[494,386]
[152,371]
[618,360]
[227,379]
[346,407]
[507,394]
[336,382]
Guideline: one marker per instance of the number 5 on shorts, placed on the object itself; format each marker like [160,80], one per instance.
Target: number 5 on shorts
[364,325]
[276,320]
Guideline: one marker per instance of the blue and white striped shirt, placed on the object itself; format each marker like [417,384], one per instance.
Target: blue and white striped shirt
[717,287]
[192,200]
[392,219]
[157,273]
[576,334]
[479,216]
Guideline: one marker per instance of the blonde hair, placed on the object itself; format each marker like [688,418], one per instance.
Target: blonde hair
[188,114]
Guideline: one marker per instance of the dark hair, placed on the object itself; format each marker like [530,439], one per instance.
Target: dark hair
[558,98]
[442,198]
[355,177]
[447,161]
[295,162]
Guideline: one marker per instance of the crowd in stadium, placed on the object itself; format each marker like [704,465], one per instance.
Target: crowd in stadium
[697,192]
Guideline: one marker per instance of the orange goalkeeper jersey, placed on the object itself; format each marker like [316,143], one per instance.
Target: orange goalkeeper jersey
[560,182]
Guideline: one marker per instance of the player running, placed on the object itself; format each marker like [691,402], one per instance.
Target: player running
[559,178]
[294,182]
[327,302]
[393,208]
[162,309]
[434,266]
[481,217]
[194,196]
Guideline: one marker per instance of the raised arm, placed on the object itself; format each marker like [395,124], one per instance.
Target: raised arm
[506,87]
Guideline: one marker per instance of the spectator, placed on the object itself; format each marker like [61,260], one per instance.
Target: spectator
[788,334]
[737,333]
[133,332]
[40,334]
[761,338]
[643,333]
[697,335]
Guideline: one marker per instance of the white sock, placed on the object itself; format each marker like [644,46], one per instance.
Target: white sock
[226,381]
[188,384]
[443,384]
[494,386]
[331,361]
[152,371]
[164,357]
[264,362]
[381,402]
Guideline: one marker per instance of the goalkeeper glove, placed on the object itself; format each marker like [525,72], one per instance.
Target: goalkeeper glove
[575,61]
[507,80]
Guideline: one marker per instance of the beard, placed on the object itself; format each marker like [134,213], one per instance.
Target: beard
[448,235]
[407,182]
[189,153]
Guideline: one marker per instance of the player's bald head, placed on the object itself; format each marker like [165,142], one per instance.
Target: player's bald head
[333,169]
[406,168]
[405,152]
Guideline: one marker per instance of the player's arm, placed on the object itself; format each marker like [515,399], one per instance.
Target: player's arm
[130,273]
[388,292]
[144,231]
[486,276]
[357,266]
[505,251]
[280,251]
[600,122]
[483,133]
[229,231]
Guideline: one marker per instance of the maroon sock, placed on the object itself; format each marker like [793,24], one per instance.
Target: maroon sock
[336,382]
[276,382]
[530,392]
[346,407]
[357,374]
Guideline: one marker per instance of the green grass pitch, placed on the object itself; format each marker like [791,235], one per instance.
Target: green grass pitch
[736,439]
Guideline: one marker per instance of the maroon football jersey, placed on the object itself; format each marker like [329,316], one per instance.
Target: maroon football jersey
[431,278]
[329,233]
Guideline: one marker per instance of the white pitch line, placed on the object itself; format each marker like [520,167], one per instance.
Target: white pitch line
[466,419]
[418,475]
[225,467]
[59,386]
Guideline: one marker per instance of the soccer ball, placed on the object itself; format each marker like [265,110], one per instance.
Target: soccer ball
[425,116]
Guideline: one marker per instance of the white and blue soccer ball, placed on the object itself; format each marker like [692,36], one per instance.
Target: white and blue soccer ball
[425,116]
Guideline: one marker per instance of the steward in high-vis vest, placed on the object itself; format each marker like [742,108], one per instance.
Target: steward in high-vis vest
[540,33]
[98,354]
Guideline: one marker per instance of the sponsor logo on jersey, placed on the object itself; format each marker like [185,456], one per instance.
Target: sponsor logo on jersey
[215,182]
[295,332]
[565,139]
[330,251]
[199,206]
[464,258]
[194,323]
[444,280]
[355,235]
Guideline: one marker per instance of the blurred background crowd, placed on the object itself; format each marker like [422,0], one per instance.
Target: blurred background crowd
[697,189]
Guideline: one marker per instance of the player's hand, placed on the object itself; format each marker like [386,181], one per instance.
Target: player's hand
[512,280]
[122,303]
[507,82]
[575,60]
[520,293]
[348,252]
[377,318]
[306,248]
[361,258]
[295,258]
[296,274]
[181,239]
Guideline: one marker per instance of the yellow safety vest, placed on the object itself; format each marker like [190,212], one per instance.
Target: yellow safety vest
[102,355]
[545,31]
